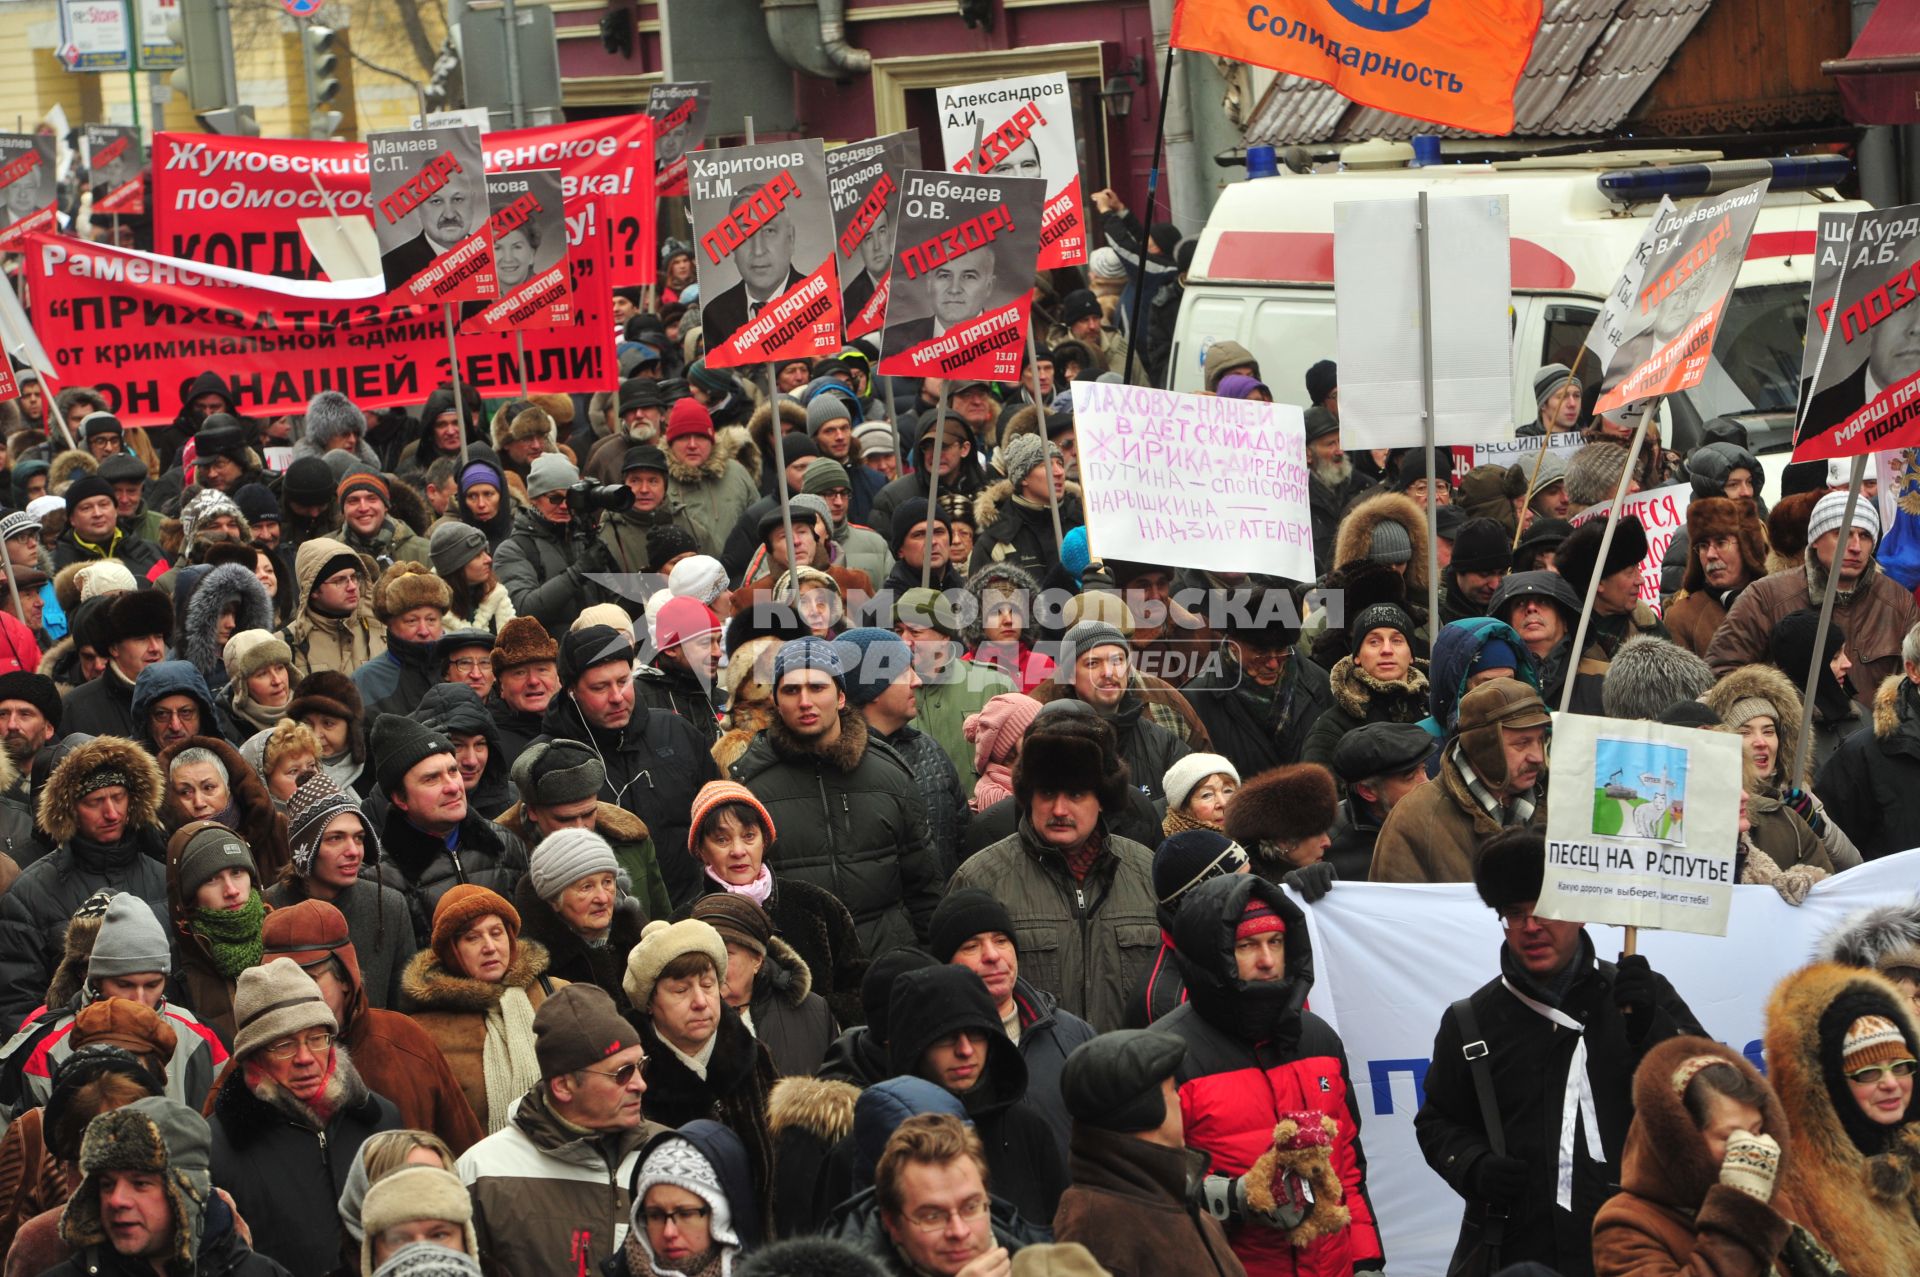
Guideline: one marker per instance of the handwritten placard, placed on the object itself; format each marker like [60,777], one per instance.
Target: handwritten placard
[1662,512]
[1194,481]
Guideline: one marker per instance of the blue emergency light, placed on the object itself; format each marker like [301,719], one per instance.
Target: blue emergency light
[1686,181]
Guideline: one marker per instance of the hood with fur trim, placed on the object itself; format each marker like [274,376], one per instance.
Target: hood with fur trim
[60,797]
[1878,939]
[993,500]
[68,466]
[1002,578]
[819,1107]
[261,826]
[1666,1159]
[1356,533]
[314,555]
[760,430]
[1711,517]
[1767,683]
[227,586]
[428,986]
[783,978]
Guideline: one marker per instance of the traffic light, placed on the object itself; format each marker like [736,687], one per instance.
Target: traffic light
[198,30]
[323,85]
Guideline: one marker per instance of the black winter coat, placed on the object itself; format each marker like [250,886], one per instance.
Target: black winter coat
[221,1254]
[285,1176]
[1353,833]
[733,1093]
[850,821]
[1148,748]
[675,689]
[571,958]
[1022,535]
[100,707]
[948,812]
[1255,738]
[822,932]
[422,868]
[791,1021]
[1048,1036]
[1529,1056]
[517,730]
[655,767]
[1871,784]
[535,563]
[35,911]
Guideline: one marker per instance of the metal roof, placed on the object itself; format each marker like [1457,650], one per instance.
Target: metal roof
[1592,61]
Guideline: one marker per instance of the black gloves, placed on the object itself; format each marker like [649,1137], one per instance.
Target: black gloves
[1498,1181]
[1633,993]
[1311,881]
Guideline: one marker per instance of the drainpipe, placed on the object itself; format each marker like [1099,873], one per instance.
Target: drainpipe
[811,37]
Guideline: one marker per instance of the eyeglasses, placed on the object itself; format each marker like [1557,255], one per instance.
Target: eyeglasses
[679,1217]
[340,580]
[1874,1072]
[286,1049]
[188,715]
[932,1219]
[469,664]
[622,1076]
[1515,916]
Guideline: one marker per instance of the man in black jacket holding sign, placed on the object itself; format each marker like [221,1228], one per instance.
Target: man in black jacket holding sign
[1563,1033]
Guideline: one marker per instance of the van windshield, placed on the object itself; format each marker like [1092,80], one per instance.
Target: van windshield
[1756,356]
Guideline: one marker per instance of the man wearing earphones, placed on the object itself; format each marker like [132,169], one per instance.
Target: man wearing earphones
[655,760]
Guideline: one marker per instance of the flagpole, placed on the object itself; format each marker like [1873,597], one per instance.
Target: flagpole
[1600,561]
[453,366]
[1426,414]
[1153,188]
[1803,739]
[1040,410]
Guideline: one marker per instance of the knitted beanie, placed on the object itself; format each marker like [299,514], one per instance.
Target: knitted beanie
[454,545]
[363,480]
[203,848]
[459,909]
[716,793]
[564,857]
[1547,380]
[1832,508]
[550,472]
[582,650]
[1085,636]
[1188,859]
[131,941]
[1390,543]
[1872,1039]
[660,944]
[688,417]
[874,659]
[680,1164]
[996,731]
[960,916]
[428,1259]
[36,690]
[701,577]
[275,1000]
[826,408]
[414,1193]
[549,773]
[611,615]
[309,812]
[249,652]
[1183,776]
[1021,454]
[400,744]
[824,474]
[808,654]
[667,542]
[877,439]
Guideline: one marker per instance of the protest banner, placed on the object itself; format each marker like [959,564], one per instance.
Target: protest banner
[139,328]
[1388,960]
[529,252]
[1380,318]
[1456,64]
[1521,451]
[1194,481]
[1643,820]
[764,228]
[1860,373]
[1662,512]
[114,166]
[27,186]
[864,180]
[679,115]
[1024,128]
[1655,334]
[237,201]
[962,277]
[430,215]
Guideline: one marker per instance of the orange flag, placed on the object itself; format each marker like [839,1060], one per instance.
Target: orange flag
[1454,62]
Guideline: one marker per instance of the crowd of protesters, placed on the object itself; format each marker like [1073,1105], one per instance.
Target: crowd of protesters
[535,836]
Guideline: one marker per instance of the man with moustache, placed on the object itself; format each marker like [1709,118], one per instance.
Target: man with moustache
[767,273]
[447,217]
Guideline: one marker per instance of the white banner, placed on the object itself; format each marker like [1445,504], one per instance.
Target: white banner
[1378,321]
[1642,823]
[1389,959]
[1194,481]
[1662,512]
[1520,451]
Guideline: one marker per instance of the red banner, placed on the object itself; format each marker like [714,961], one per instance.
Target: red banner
[122,199]
[140,328]
[1455,63]
[989,348]
[237,201]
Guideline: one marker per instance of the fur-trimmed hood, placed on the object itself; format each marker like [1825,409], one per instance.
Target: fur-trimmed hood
[994,500]
[783,978]
[1767,683]
[69,465]
[713,469]
[819,1107]
[1355,691]
[1666,1159]
[615,824]
[60,797]
[261,825]
[228,585]
[760,430]
[1002,578]
[427,986]
[1876,939]
[842,756]
[1356,533]
[1886,706]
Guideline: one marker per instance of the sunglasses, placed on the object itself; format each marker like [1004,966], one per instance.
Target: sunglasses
[621,1076]
[1874,1072]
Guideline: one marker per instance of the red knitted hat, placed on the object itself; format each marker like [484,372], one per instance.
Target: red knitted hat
[1258,920]
[681,619]
[688,418]
[716,793]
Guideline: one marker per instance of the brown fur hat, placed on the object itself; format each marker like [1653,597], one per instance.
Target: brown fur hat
[1787,525]
[327,692]
[558,407]
[528,422]
[405,586]
[1711,517]
[1283,805]
[522,641]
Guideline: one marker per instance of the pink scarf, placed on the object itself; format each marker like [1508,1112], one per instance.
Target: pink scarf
[757,891]
[995,783]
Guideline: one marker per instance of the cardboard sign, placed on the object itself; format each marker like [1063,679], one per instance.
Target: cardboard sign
[1519,451]
[529,253]
[1378,322]
[1643,821]
[962,277]
[1026,130]
[1194,481]
[1455,64]
[28,186]
[763,252]
[237,201]
[430,215]
[864,178]
[115,163]
[140,328]
[1655,335]
[1662,512]
[679,115]
[1860,376]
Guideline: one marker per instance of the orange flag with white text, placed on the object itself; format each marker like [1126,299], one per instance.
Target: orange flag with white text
[1454,62]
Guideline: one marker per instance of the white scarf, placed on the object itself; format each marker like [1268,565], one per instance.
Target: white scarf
[507,1060]
[1576,1104]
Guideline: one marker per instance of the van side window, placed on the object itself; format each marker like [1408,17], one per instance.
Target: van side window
[1564,331]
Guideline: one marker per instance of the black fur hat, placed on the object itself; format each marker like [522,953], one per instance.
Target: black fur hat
[137,613]
[1510,868]
[1581,550]
[1070,751]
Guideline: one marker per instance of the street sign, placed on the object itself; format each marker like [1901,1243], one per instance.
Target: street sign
[95,35]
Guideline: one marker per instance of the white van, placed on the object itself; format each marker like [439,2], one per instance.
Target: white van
[1262,274]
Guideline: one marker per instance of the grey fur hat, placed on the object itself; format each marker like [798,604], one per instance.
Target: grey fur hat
[1881,939]
[1648,674]
[331,414]
[1594,473]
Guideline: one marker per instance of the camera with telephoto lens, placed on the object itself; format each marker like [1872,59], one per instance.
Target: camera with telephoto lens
[587,497]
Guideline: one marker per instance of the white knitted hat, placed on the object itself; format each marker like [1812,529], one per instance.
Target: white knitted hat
[565,857]
[1190,771]
[678,1163]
